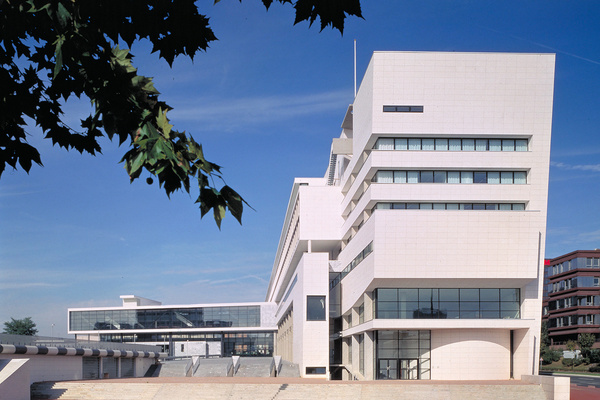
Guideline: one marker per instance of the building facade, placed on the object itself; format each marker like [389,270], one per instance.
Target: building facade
[210,330]
[419,254]
[572,295]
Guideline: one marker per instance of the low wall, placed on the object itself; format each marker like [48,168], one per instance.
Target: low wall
[555,387]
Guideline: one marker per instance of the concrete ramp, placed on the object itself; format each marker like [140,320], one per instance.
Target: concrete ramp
[14,379]
[289,370]
[173,368]
[257,367]
[212,367]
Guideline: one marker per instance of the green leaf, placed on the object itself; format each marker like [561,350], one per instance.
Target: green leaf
[64,16]
[58,59]
[163,122]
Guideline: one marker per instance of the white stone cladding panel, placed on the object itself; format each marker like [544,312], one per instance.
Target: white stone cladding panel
[311,338]
[460,354]
[456,244]
[320,215]
[464,92]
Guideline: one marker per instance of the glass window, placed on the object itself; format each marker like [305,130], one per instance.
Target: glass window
[479,177]
[385,177]
[466,177]
[478,206]
[439,206]
[454,145]
[412,206]
[481,144]
[495,145]
[493,177]
[468,145]
[408,294]
[441,144]
[506,177]
[508,145]
[315,308]
[521,145]
[452,206]
[385,144]
[413,176]
[439,176]
[518,207]
[414,144]
[426,177]
[469,295]
[399,176]
[428,144]
[387,294]
[401,144]
[520,178]
[453,177]
[426,206]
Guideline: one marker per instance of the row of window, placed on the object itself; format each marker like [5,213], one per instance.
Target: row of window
[446,303]
[574,301]
[577,282]
[450,206]
[430,144]
[410,109]
[574,320]
[357,260]
[234,316]
[575,263]
[464,177]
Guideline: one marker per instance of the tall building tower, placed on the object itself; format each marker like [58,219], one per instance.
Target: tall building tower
[419,254]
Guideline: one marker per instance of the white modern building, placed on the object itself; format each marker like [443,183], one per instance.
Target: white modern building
[419,254]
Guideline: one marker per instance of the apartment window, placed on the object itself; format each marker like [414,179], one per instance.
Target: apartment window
[592,262]
[315,308]
[403,109]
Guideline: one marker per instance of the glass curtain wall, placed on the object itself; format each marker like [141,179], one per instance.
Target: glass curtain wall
[403,354]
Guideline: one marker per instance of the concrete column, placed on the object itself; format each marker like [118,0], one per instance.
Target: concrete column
[369,343]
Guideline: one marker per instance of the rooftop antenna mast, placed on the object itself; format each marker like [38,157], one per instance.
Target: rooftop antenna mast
[354,68]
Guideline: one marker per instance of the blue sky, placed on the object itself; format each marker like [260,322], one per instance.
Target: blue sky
[265,102]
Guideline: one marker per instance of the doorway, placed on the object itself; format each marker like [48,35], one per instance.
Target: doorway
[403,368]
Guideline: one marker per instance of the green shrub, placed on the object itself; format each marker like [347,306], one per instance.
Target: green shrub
[595,356]
[550,356]
[570,362]
[595,368]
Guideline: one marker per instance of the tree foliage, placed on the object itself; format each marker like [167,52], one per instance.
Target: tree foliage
[51,50]
[585,342]
[23,326]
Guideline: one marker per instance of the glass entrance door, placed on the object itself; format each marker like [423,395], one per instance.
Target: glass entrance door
[388,369]
[409,369]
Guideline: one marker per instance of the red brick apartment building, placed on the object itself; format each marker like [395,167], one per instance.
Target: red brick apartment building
[571,302]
